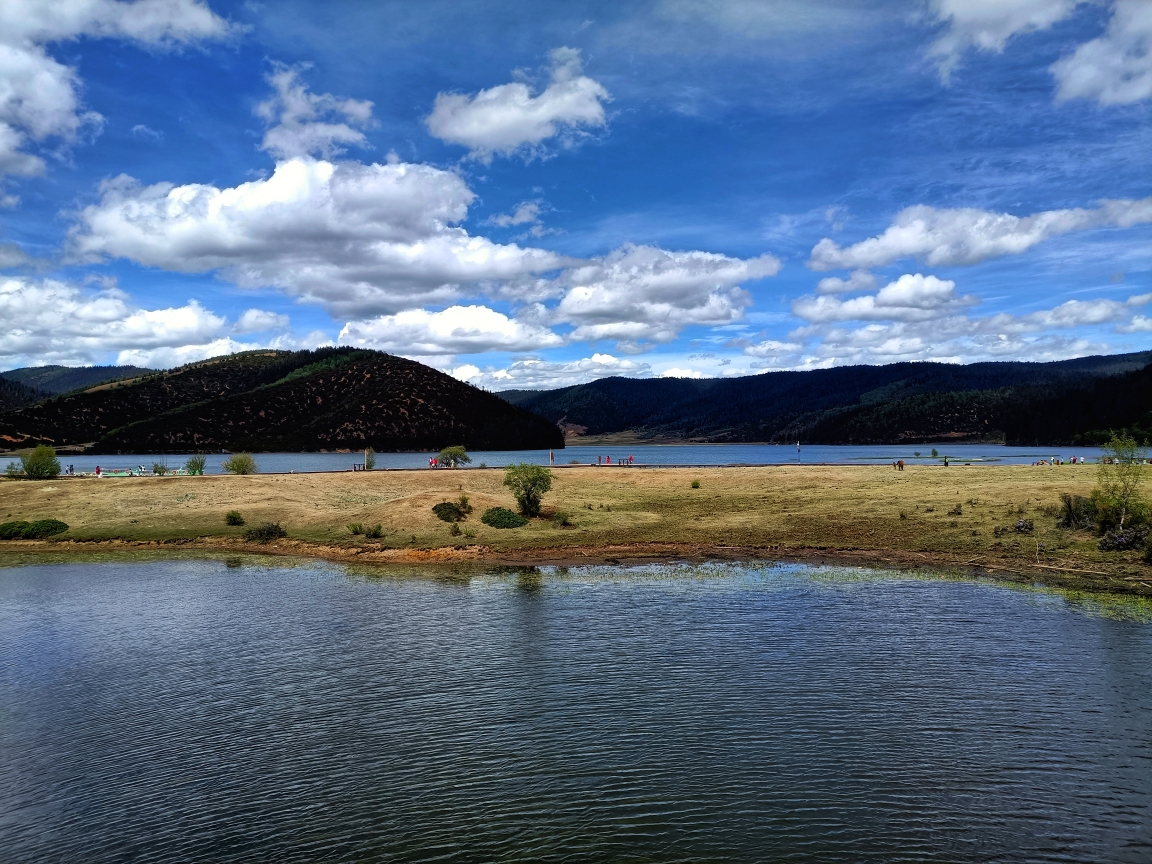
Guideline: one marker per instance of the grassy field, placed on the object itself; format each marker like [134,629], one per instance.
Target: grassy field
[870,515]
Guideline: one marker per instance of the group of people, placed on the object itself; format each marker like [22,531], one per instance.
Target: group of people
[607,460]
[1056,460]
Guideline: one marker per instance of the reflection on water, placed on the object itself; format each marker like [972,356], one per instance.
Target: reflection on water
[246,709]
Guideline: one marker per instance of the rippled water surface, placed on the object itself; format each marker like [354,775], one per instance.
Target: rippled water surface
[232,711]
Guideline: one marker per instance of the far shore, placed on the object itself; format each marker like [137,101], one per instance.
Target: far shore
[957,519]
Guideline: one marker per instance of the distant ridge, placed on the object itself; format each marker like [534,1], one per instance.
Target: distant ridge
[1065,402]
[14,394]
[331,398]
[64,379]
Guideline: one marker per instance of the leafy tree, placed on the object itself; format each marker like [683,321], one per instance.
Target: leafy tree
[369,458]
[240,463]
[195,464]
[454,457]
[528,483]
[1119,476]
[41,464]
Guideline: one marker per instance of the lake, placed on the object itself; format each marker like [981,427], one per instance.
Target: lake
[647,454]
[240,710]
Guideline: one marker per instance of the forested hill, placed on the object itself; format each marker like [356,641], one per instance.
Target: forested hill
[1027,403]
[14,394]
[64,379]
[328,399]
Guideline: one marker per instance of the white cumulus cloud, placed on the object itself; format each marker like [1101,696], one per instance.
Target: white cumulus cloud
[987,25]
[310,124]
[644,293]
[358,239]
[455,330]
[534,373]
[962,236]
[860,280]
[506,119]
[260,320]
[912,297]
[1115,68]
[49,321]
[39,96]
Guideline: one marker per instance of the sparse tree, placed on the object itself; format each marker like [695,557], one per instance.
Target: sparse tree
[454,457]
[41,464]
[1119,476]
[240,463]
[528,483]
[195,464]
[369,458]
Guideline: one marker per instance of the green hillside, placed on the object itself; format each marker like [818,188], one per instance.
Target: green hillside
[273,400]
[64,379]
[1028,403]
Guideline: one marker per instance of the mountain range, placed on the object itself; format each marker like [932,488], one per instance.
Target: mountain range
[331,398]
[1064,402]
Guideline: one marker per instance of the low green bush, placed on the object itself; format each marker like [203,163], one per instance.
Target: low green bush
[240,463]
[502,517]
[375,532]
[561,519]
[233,517]
[195,464]
[13,530]
[37,530]
[448,511]
[266,533]
[695,484]
[355,528]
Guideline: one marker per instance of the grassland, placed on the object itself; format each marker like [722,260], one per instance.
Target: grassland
[924,516]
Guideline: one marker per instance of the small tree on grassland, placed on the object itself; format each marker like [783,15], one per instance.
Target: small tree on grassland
[528,483]
[1119,476]
[41,464]
[240,463]
[454,457]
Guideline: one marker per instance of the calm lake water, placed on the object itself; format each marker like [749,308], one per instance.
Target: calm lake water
[663,454]
[204,711]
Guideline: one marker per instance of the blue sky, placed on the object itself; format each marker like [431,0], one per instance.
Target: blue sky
[535,194]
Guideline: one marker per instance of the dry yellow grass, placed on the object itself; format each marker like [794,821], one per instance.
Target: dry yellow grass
[835,512]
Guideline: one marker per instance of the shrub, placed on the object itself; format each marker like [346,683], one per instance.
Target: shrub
[1023,526]
[561,519]
[266,533]
[1076,511]
[454,457]
[240,463]
[956,511]
[14,470]
[448,511]
[13,530]
[528,483]
[159,468]
[502,517]
[41,464]
[233,517]
[454,529]
[1128,538]
[356,528]
[695,484]
[375,532]
[37,530]
[462,503]
[195,464]
[369,458]
[44,528]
